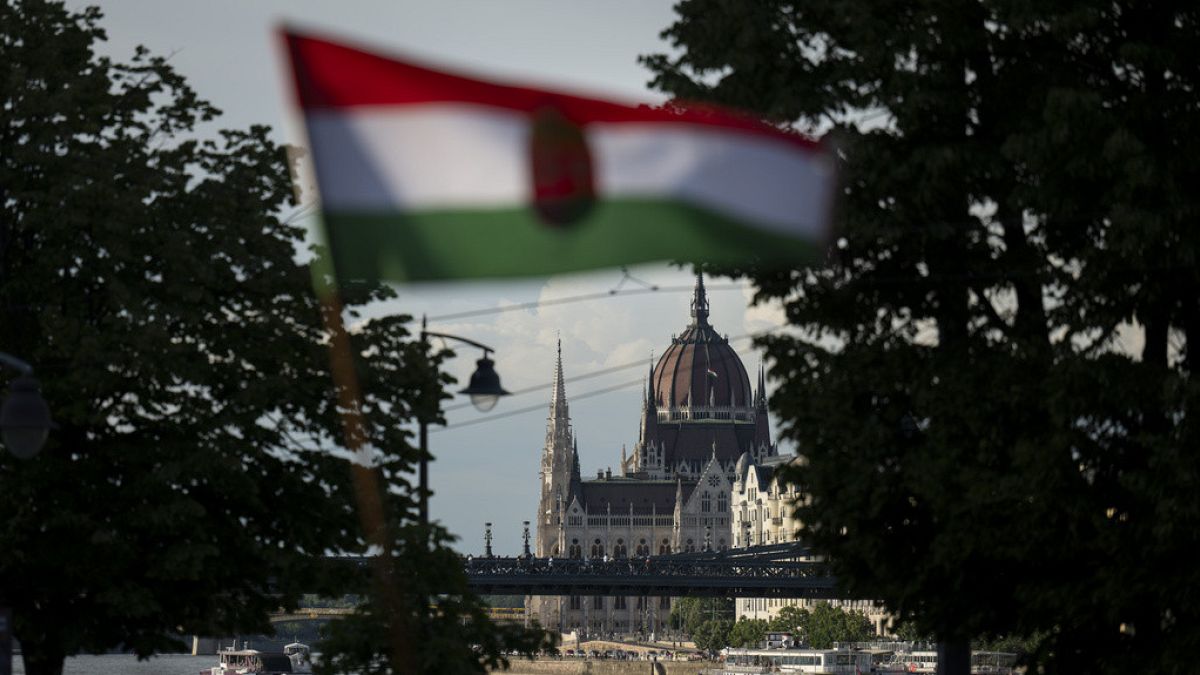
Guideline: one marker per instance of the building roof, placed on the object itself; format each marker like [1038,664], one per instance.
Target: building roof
[700,368]
[644,495]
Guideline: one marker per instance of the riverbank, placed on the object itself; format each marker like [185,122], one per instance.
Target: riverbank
[601,667]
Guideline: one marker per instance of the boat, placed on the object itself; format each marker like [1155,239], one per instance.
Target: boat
[246,661]
[926,661]
[842,661]
[300,655]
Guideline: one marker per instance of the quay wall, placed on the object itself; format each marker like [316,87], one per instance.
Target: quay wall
[600,667]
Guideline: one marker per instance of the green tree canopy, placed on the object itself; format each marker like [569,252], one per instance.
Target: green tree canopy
[149,278]
[748,632]
[988,452]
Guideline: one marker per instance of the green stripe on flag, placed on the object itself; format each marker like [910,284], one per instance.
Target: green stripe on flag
[510,242]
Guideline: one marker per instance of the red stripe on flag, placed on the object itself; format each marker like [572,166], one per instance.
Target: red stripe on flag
[331,75]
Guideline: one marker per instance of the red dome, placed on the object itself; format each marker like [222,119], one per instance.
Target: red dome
[700,368]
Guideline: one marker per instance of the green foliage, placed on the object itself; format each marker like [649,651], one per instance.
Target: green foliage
[988,453]
[909,632]
[689,614]
[748,632]
[712,635]
[149,278]
[826,624]
[790,619]
[818,628]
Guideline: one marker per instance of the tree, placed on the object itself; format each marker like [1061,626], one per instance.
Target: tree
[826,624]
[712,635]
[747,632]
[985,453]
[790,619]
[689,614]
[190,487]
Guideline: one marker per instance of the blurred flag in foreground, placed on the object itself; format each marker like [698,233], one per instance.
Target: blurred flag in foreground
[429,175]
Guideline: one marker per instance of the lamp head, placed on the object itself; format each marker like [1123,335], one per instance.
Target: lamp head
[485,389]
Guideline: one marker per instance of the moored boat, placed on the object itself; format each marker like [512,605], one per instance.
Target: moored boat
[246,661]
[300,655]
[823,661]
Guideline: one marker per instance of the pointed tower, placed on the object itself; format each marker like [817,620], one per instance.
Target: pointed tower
[699,303]
[559,466]
[762,427]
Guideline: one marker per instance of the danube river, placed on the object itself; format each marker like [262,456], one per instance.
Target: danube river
[127,664]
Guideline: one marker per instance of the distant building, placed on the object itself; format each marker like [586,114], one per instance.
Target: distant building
[763,514]
[672,494]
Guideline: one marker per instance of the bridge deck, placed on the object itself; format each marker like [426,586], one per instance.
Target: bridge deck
[779,571]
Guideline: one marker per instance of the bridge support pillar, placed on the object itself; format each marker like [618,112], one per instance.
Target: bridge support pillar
[204,646]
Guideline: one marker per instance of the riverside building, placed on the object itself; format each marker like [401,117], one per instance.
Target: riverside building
[763,513]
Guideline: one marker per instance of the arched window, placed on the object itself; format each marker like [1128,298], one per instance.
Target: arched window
[691,546]
[575,550]
[721,544]
[619,550]
[664,548]
[722,502]
[597,549]
[705,503]
[643,549]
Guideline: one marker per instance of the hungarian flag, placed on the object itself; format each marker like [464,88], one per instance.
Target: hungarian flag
[425,174]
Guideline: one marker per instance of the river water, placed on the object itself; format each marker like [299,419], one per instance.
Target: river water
[127,664]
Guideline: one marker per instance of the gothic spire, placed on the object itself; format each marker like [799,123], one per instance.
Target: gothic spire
[699,303]
[558,397]
[760,395]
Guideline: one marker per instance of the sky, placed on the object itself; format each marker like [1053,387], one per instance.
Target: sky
[485,466]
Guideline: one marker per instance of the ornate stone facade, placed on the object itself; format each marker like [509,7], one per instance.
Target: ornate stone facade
[763,513]
[672,494]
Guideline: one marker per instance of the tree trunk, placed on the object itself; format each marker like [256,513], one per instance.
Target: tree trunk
[954,657]
[42,663]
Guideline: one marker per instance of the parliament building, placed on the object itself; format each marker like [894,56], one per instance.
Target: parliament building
[701,427]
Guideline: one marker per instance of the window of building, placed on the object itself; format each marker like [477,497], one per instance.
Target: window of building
[597,549]
[598,602]
[575,550]
[722,503]
[619,550]
[691,546]
[574,602]
[664,548]
[664,602]
[641,602]
[705,503]
[619,602]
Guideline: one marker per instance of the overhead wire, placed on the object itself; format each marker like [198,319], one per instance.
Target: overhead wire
[597,392]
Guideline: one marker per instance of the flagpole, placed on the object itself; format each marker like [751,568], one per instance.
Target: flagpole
[368,491]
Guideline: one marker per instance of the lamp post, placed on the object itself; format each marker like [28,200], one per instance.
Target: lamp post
[484,390]
[25,422]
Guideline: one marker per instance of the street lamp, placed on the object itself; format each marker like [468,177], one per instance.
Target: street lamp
[484,390]
[24,416]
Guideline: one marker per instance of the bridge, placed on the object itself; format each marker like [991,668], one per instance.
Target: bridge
[311,613]
[775,571]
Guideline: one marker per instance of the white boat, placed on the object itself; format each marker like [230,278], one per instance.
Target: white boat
[926,661]
[246,661]
[300,655]
[822,661]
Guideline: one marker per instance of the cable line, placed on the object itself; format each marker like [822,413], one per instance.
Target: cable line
[575,298]
[597,392]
